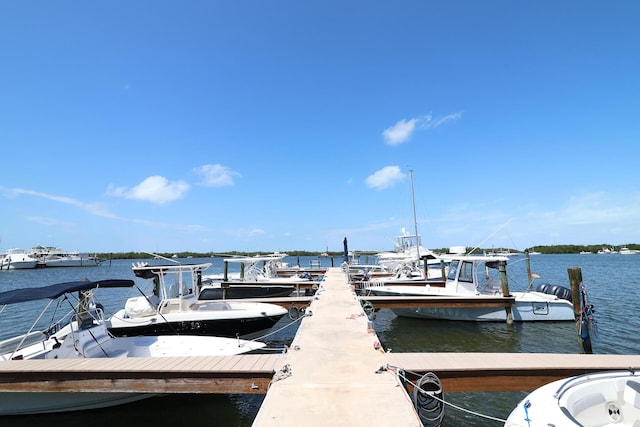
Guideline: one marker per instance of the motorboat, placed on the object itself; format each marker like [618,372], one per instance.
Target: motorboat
[257,278]
[174,307]
[608,398]
[478,277]
[216,290]
[627,251]
[407,248]
[54,257]
[17,259]
[81,333]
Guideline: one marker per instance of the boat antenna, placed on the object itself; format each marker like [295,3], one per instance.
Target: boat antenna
[415,221]
[490,236]
[162,257]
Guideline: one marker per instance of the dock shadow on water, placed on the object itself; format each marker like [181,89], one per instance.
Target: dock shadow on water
[406,335]
[179,409]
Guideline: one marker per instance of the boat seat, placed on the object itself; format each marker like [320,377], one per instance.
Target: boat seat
[632,393]
[94,348]
[586,402]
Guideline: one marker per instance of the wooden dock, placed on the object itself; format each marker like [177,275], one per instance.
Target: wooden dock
[329,375]
[333,373]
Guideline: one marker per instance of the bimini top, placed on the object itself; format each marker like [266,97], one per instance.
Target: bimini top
[54,291]
[146,271]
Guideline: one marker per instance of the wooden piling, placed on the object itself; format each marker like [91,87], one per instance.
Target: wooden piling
[528,261]
[582,325]
[226,271]
[505,291]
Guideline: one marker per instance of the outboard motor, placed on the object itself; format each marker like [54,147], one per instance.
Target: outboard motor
[561,292]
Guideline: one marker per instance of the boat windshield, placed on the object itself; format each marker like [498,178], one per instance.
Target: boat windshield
[453,269]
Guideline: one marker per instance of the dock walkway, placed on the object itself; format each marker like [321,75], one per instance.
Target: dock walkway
[330,375]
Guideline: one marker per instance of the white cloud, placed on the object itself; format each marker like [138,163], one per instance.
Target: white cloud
[155,189]
[94,208]
[216,175]
[402,130]
[385,177]
[428,122]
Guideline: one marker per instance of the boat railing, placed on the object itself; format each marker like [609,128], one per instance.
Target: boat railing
[14,344]
[371,283]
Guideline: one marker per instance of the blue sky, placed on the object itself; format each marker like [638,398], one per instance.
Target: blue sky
[286,125]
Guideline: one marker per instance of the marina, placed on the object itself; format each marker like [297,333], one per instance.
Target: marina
[511,364]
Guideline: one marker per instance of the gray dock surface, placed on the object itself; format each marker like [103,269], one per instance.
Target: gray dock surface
[329,375]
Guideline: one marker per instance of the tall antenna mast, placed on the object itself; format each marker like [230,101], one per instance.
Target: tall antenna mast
[415,221]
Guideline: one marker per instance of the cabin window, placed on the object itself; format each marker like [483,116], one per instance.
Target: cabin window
[466,272]
[453,270]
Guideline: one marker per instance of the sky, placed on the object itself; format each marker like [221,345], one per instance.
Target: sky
[213,126]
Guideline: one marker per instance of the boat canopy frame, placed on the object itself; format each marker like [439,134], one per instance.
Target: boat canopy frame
[54,291]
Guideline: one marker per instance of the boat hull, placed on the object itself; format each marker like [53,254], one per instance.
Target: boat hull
[19,265]
[230,328]
[79,262]
[28,403]
[529,307]
[245,291]
[523,312]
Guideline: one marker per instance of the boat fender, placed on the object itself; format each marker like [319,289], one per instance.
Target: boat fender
[367,306]
[294,313]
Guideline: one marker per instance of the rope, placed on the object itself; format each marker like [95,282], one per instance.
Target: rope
[400,372]
[282,328]
[428,403]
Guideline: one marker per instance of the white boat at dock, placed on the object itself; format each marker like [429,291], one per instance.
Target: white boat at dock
[258,278]
[609,398]
[17,259]
[407,249]
[82,334]
[174,307]
[49,256]
[476,277]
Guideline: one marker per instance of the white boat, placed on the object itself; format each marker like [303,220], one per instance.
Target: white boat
[627,251]
[477,277]
[81,334]
[54,257]
[174,307]
[407,247]
[607,251]
[258,278]
[610,398]
[17,259]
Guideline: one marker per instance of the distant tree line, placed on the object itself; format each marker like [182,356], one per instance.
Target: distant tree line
[554,249]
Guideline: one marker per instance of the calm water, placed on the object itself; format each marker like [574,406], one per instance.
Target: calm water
[610,280]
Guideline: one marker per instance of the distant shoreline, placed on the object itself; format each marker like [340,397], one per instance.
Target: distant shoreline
[547,250]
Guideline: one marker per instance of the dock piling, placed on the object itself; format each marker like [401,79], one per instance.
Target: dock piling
[582,325]
[505,291]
